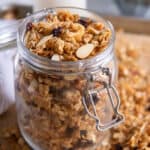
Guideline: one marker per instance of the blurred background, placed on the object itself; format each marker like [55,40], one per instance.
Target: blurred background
[11,11]
[136,8]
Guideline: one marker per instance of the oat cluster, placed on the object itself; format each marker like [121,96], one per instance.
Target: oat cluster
[66,37]
[134,88]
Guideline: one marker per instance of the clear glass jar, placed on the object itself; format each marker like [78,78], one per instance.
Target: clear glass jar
[65,105]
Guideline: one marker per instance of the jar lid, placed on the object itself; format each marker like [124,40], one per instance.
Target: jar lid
[8,30]
[10,18]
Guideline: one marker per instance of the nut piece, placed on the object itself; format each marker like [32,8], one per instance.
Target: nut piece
[84,51]
[55,57]
[44,40]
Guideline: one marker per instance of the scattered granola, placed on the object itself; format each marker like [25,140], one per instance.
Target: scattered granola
[64,33]
[10,139]
[134,84]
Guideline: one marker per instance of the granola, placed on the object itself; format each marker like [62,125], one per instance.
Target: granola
[64,34]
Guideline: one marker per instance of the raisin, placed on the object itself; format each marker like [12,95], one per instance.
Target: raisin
[29,26]
[95,98]
[118,147]
[117,118]
[52,89]
[70,130]
[83,133]
[148,108]
[83,22]
[135,148]
[57,31]
[106,71]
[84,143]
[64,148]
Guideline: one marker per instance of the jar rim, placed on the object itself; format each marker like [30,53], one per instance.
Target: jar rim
[44,62]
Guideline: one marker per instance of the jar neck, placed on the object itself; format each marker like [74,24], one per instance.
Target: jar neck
[46,65]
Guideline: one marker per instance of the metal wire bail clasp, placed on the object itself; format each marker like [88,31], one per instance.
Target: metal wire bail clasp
[108,86]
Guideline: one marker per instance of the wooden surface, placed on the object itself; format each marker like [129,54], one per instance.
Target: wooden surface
[8,119]
[130,24]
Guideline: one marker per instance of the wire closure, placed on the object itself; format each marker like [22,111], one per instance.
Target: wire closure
[117,118]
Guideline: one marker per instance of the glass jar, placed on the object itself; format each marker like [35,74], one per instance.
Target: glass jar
[65,105]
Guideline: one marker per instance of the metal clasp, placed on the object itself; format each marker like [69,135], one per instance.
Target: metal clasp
[117,118]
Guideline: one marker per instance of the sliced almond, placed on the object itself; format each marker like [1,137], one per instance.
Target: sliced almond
[84,51]
[61,57]
[93,30]
[44,40]
[70,77]
[33,85]
[56,57]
